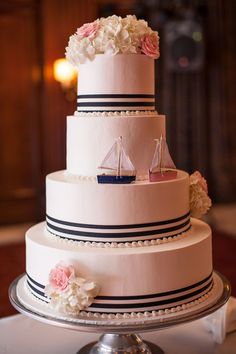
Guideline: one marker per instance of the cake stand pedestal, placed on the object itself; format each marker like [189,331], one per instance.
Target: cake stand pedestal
[111,343]
[118,336]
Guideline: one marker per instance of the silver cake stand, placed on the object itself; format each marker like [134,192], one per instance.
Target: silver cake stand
[120,337]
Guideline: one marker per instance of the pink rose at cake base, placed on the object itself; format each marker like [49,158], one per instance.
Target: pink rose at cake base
[59,277]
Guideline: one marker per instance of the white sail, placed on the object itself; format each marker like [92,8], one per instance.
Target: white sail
[117,159]
[125,162]
[156,157]
[161,158]
[110,162]
[167,161]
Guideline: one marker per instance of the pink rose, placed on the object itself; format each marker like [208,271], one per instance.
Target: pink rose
[88,30]
[59,276]
[150,45]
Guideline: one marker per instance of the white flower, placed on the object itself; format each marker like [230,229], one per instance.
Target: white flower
[79,50]
[78,295]
[200,202]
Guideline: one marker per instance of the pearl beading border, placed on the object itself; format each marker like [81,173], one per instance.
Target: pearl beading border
[147,314]
[115,114]
[133,244]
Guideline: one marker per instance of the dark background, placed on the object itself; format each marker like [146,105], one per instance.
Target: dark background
[197,96]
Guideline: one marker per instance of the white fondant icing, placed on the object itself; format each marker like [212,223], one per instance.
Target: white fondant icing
[89,140]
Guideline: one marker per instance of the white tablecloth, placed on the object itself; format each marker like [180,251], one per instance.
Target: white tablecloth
[22,335]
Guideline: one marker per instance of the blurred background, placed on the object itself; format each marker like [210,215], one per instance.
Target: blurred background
[195,88]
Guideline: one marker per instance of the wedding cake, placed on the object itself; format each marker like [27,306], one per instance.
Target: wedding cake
[120,237]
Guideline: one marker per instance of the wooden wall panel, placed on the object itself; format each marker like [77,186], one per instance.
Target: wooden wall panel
[33,107]
[61,18]
[19,111]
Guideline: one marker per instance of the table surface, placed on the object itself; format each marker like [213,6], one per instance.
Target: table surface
[22,335]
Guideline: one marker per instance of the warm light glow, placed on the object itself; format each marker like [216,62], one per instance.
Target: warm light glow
[197,36]
[64,72]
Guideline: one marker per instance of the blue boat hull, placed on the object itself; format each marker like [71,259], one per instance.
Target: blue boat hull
[115,179]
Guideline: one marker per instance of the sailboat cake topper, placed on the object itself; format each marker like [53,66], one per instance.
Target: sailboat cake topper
[119,162]
[162,167]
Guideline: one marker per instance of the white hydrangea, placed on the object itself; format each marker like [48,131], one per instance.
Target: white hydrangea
[111,35]
[78,296]
[200,202]
[79,50]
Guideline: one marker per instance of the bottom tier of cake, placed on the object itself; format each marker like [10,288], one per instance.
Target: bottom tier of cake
[136,279]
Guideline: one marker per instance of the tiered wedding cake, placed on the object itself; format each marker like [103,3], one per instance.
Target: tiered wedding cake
[118,238]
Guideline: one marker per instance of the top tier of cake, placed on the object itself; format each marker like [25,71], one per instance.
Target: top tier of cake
[116,83]
[107,82]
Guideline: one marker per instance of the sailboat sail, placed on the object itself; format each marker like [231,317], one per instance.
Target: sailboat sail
[156,156]
[161,158]
[110,162]
[166,158]
[117,159]
[125,162]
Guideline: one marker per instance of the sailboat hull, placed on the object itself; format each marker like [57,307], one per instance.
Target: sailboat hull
[162,175]
[115,179]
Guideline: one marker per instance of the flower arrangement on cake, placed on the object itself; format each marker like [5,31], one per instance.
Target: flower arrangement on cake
[200,202]
[69,293]
[112,35]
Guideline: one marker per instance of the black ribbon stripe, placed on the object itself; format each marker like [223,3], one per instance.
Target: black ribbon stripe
[116,95]
[118,235]
[36,290]
[124,226]
[104,241]
[110,110]
[138,305]
[115,104]
[154,303]
[142,297]
[167,293]
[35,282]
